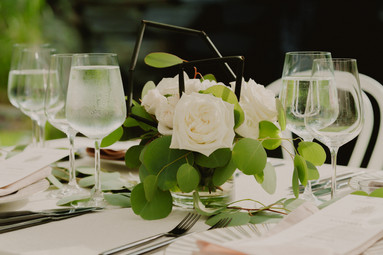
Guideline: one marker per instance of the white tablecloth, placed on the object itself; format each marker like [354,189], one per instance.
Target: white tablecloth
[99,231]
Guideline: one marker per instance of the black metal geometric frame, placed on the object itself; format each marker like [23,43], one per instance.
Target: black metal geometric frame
[238,60]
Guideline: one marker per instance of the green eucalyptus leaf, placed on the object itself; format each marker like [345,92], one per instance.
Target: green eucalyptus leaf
[162,60]
[265,218]
[281,114]
[74,198]
[295,182]
[268,130]
[60,173]
[312,152]
[132,156]
[259,177]
[188,178]
[218,158]
[209,77]
[143,172]
[159,207]
[160,160]
[293,203]
[114,184]
[228,95]
[150,187]
[360,193]
[53,180]
[377,193]
[269,183]
[86,170]
[112,137]
[130,122]
[312,171]
[119,199]
[202,209]
[140,111]
[222,174]
[301,166]
[237,218]
[89,180]
[148,86]
[249,156]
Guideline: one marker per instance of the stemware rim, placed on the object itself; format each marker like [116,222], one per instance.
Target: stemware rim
[95,54]
[309,52]
[62,55]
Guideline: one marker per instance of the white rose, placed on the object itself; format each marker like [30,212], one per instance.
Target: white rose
[258,103]
[202,123]
[195,85]
[165,113]
[152,100]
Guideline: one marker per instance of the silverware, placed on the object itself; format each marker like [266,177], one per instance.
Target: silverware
[26,219]
[184,226]
[222,223]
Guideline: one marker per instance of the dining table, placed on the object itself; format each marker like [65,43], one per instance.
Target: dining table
[113,226]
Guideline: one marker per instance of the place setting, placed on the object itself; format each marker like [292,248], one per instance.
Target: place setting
[187,165]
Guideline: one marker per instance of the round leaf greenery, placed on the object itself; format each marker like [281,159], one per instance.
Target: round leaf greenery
[222,174]
[132,156]
[269,183]
[112,137]
[162,60]
[218,158]
[249,156]
[159,207]
[269,130]
[301,166]
[312,152]
[188,178]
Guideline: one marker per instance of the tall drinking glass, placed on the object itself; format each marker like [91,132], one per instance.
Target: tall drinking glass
[334,113]
[31,80]
[296,79]
[17,77]
[95,103]
[55,106]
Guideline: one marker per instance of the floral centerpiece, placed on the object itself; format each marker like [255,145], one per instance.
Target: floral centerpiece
[195,142]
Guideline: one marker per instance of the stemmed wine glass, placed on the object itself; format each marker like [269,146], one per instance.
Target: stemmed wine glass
[334,113]
[20,74]
[95,103]
[27,86]
[296,79]
[55,106]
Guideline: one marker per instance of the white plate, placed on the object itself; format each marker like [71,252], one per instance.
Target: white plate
[354,181]
[187,244]
[26,192]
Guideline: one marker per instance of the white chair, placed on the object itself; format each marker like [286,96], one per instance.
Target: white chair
[375,90]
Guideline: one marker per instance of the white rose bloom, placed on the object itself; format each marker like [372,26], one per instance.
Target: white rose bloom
[152,100]
[202,123]
[165,113]
[258,103]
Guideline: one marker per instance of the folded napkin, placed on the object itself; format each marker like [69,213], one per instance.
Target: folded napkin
[108,154]
[28,180]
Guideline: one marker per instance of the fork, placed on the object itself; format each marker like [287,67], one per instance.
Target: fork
[222,223]
[184,226]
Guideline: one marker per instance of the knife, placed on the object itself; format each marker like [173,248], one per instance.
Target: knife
[41,220]
[12,217]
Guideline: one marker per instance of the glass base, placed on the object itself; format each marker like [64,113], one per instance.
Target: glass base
[68,190]
[223,194]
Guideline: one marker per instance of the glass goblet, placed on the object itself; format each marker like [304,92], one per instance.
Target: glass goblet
[296,80]
[55,106]
[334,113]
[95,103]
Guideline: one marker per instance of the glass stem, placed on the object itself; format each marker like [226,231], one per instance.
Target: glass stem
[35,135]
[97,184]
[334,153]
[41,133]
[72,169]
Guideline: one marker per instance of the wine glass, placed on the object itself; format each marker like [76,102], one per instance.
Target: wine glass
[28,84]
[95,103]
[55,106]
[334,113]
[16,77]
[296,79]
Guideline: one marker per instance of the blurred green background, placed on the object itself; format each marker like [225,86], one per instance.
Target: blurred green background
[28,21]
